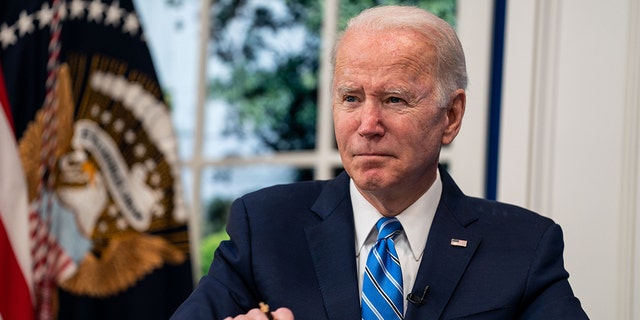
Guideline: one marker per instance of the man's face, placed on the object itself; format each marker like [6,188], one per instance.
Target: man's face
[388,126]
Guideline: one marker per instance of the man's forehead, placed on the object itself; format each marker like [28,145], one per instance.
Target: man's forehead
[360,47]
[397,37]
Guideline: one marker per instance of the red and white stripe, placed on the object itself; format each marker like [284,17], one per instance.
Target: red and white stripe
[16,290]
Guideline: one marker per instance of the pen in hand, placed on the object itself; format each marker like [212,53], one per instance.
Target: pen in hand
[265,309]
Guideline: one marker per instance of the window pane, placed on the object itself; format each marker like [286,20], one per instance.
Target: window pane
[262,76]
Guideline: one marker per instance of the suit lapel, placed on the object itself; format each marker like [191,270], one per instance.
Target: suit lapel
[331,244]
[443,264]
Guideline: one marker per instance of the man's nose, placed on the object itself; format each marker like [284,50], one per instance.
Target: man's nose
[371,120]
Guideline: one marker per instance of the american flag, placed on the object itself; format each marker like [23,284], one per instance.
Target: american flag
[459,243]
[82,66]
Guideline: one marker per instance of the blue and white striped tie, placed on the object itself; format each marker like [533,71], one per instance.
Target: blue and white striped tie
[382,295]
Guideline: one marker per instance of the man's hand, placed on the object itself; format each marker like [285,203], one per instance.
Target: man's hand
[256,314]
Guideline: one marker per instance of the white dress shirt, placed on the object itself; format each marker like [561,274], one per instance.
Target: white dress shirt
[416,221]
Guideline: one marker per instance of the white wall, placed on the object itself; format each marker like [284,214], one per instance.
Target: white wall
[467,154]
[569,138]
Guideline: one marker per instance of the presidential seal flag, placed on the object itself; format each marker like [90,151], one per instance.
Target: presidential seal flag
[107,225]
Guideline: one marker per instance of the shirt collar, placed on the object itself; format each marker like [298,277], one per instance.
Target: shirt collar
[416,219]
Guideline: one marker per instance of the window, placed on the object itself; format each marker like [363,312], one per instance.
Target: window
[250,98]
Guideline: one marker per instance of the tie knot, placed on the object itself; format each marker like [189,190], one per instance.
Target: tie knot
[388,227]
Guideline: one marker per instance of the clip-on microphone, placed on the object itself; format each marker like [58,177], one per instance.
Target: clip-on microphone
[415,299]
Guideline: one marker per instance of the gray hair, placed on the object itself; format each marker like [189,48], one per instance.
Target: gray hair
[451,70]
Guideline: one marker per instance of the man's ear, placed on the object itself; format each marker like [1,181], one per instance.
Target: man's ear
[455,112]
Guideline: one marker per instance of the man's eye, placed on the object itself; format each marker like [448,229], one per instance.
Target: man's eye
[395,100]
[349,99]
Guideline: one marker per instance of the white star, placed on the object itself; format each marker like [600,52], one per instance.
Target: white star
[105,117]
[103,227]
[76,10]
[130,136]
[114,14]
[150,164]
[158,210]
[25,23]
[95,110]
[139,150]
[45,15]
[7,35]
[118,125]
[121,224]
[131,24]
[96,10]
[112,211]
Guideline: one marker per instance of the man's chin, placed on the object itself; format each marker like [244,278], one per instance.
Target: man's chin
[370,182]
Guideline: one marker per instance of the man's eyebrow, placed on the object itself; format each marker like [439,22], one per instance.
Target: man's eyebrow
[347,89]
[396,91]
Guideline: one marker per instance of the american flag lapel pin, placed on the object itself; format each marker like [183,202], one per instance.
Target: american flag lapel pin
[459,243]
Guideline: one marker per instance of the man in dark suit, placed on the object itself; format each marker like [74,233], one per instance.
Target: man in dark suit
[304,248]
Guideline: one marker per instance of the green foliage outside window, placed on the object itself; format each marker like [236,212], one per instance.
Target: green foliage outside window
[276,99]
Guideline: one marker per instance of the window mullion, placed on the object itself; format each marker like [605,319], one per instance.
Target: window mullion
[323,167]
[197,162]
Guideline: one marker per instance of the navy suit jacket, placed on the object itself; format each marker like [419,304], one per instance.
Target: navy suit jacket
[294,246]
